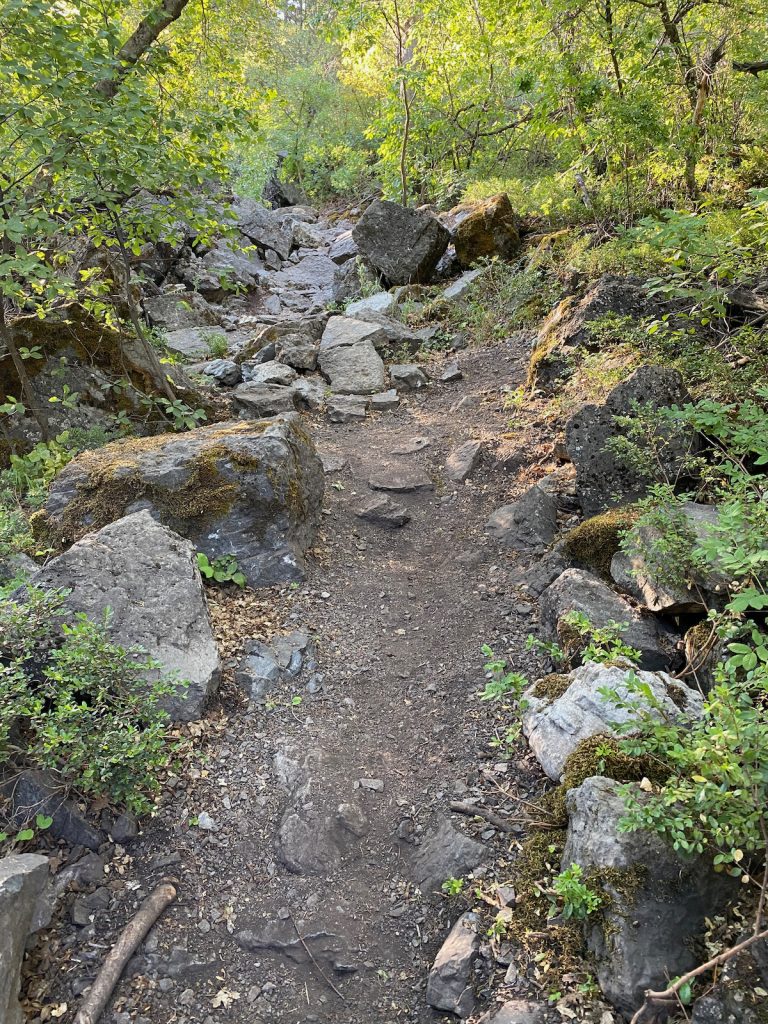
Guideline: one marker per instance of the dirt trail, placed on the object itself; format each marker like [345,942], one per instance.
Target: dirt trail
[399,616]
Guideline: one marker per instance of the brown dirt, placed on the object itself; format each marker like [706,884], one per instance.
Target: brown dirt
[399,618]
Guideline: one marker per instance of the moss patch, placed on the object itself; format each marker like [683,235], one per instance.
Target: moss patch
[550,687]
[596,541]
[602,755]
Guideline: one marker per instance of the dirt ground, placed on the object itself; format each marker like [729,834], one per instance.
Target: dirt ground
[398,618]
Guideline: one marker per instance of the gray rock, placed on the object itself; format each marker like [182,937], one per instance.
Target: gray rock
[577,590]
[269,372]
[221,271]
[603,479]
[487,229]
[463,461]
[401,479]
[34,792]
[445,853]
[735,999]
[251,490]
[392,334]
[327,948]
[258,672]
[407,377]
[223,371]
[556,728]
[346,408]
[448,983]
[257,400]
[263,227]
[348,358]
[346,283]
[404,244]
[343,248]
[528,524]
[516,1011]
[385,401]
[23,878]
[190,342]
[296,351]
[175,311]
[169,619]
[451,373]
[314,271]
[384,512]
[460,288]
[310,392]
[708,587]
[379,302]
[643,935]
[124,829]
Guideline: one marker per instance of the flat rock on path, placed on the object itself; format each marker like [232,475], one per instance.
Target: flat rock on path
[401,480]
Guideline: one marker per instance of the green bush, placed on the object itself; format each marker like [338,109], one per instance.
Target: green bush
[78,705]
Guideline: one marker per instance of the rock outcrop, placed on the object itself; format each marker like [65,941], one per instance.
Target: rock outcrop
[248,489]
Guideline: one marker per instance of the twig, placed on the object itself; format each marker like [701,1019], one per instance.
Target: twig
[671,993]
[308,951]
[473,810]
[127,943]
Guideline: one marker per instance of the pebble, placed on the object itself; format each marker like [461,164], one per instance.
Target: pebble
[374,785]
[205,821]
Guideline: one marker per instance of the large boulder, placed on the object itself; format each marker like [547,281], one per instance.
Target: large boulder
[580,591]
[348,357]
[568,329]
[556,727]
[528,524]
[665,592]
[147,577]
[263,227]
[655,900]
[248,489]
[23,877]
[603,478]
[490,229]
[224,270]
[402,244]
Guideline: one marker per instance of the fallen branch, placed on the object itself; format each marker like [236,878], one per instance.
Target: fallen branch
[671,993]
[128,942]
[481,812]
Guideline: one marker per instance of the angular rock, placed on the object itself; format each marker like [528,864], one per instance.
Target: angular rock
[223,371]
[463,461]
[603,478]
[528,524]
[190,342]
[175,311]
[448,983]
[314,271]
[460,288]
[346,283]
[451,373]
[222,271]
[566,330]
[263,228]
[577,590]
[257,400]
[490,229]
[294,350]
[348,358]
[269,372]
[169,619]
[258,673]
[655,901]
[319,946]
[343,248]
[379,302]
[385,400]
[445,853]
[709,586]
[555,728]
[407,377]
[251,490]
[384,512]
[401,479]
[23,878]
[310,392]
[403,244]
[346,408]
[34,792]
[516,1011]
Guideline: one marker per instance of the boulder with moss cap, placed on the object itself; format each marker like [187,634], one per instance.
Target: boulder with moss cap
[250,489]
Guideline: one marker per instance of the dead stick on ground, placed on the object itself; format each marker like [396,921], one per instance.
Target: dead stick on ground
[308,951]
[481,812]
[128,942]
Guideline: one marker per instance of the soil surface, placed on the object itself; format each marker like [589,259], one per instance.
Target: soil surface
[305,894]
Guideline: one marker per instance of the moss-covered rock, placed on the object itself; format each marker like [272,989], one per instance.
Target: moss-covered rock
[248,489]
[593,543]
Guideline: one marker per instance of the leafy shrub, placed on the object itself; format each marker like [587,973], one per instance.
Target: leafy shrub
[575,898]
[77,704]
[599,644]
[221,570]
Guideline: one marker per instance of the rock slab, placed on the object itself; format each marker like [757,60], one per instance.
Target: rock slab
[448,983]
[23,878]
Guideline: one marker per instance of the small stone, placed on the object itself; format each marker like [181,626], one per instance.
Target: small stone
[407,377]
[384,512]
[451,373]
[463,461]
[401,479]
[374,785]
[204,927]
[346,408]
[385,400]
[205,821]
